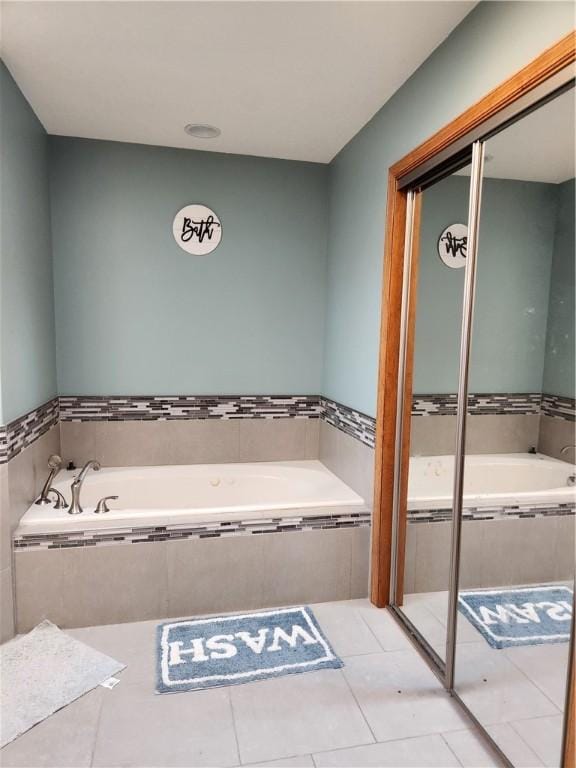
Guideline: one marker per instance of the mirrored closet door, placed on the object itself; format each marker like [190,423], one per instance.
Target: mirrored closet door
[485,477]
[516,575]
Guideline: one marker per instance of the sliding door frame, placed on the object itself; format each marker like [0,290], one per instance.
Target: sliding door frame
[542,79]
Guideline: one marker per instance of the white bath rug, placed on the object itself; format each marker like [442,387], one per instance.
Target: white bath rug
[43,671]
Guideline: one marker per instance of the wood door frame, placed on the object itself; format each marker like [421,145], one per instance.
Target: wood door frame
[494,108]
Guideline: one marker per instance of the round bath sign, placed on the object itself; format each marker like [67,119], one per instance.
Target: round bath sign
[197,229]
[452,245]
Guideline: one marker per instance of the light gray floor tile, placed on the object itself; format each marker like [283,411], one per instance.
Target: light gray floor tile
[384,627]
[66,739]
[400,696]
[140,728]
[420,752]
[513,746]
[546,666]
[132,644]
[346,629]
[296,715]
[303,761]
[472,750]
[427,624]
[437,604]
[494,689]
[544,736]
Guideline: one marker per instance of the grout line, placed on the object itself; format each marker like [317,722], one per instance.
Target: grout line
[450,748]
[359,612]
[523,740]
[386,741]
[229,687]
[383,650]
[535,684]
[278,759]
[359,707]
[97,727]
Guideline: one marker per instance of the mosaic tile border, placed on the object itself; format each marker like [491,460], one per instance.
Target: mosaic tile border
[3,445]
[363,427]
[22,432]
[559,407]
[478,404]
[180,407]
[504,512]
[348,420]
[249,527]
[152,533]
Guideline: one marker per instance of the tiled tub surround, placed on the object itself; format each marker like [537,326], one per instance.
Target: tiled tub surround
[314,529]
[20,480]
[107,584]
[310,428]
[133,431]
[504,522]
[316,552]
[22,432]
[496,551]
[281,409]
[497,423]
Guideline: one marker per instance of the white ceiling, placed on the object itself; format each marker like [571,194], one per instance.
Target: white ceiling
[539,147]
[292,80]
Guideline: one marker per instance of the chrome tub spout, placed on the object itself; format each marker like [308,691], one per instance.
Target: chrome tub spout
[75,507]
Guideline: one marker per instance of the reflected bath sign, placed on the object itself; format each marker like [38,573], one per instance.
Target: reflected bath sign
[197,229]
[452,245]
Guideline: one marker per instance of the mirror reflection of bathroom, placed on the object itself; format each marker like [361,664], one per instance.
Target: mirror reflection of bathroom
[517,556]
[438,301]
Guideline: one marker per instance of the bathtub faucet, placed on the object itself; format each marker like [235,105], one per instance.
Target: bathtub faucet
[76,487]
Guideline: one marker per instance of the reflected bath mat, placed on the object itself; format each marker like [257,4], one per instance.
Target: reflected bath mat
[228,650]
[44,671]
[523,616]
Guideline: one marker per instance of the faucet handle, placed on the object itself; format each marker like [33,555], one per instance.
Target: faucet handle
[102,506]
[60,502]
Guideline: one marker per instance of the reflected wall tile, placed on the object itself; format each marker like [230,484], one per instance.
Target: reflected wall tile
[554,435]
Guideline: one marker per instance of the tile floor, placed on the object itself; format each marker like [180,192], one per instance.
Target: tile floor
[384,708]
[521,688]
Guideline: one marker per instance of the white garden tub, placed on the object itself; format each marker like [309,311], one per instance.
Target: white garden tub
[491,480]
[182,494]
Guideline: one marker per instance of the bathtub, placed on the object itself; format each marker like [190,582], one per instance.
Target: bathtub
[181,495]
[180,539]
[504,480]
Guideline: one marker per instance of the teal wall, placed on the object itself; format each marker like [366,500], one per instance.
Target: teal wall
[295,286]
[135,314]
[27,360]
[492,43]
[516,239]
[559,370]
